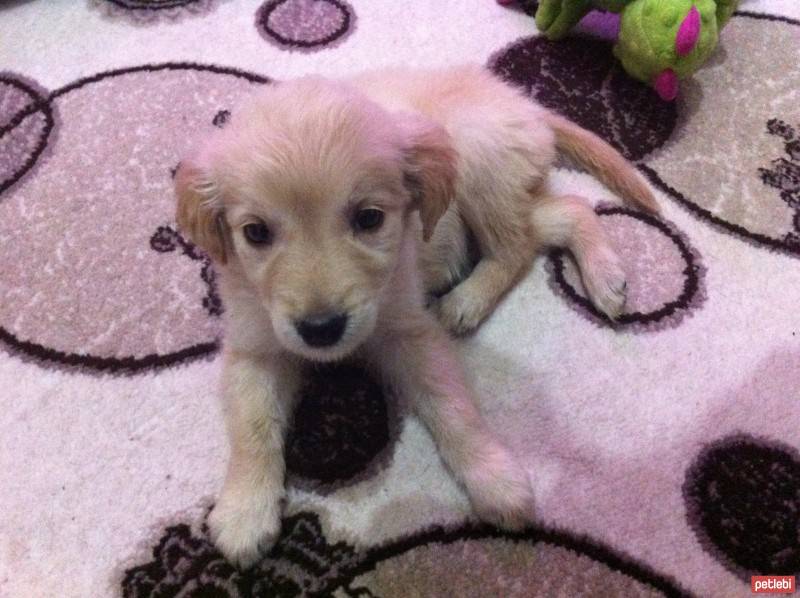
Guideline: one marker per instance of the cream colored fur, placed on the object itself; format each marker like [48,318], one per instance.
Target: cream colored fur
[442,155]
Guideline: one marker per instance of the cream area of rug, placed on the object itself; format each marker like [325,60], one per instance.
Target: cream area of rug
[663,451]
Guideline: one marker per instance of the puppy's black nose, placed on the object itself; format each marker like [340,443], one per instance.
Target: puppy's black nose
[323,330]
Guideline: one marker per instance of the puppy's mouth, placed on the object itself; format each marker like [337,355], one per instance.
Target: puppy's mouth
[325,336]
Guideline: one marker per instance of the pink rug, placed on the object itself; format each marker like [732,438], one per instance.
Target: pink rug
[663,450]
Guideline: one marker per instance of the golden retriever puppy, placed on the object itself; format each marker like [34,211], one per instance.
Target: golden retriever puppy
[331,208]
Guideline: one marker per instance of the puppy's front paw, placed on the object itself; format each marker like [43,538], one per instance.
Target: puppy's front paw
[460,311]
[606,283]
[499,489]
[244,529]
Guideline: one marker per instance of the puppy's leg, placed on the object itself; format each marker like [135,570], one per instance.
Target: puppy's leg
[257,393]
[474,299]
[500,223]
[421,363]
[570,222]
[446,258]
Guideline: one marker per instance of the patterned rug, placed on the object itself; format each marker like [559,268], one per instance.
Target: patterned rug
[663,450]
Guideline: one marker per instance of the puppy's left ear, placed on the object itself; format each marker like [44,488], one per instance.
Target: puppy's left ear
[200,215]
[430,169]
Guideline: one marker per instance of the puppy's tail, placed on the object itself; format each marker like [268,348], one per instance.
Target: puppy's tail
[602,160]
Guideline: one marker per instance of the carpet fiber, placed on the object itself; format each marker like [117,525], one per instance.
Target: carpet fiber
[663,450]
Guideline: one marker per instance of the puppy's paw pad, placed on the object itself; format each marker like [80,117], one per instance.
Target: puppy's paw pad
[243,534]
[459,312]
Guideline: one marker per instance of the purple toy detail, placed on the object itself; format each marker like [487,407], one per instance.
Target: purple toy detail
[600,25]
[666,85]
[688,33]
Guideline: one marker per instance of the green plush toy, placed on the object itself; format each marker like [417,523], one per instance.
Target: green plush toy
[659,41]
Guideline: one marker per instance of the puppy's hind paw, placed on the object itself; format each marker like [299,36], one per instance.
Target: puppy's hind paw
[606,285]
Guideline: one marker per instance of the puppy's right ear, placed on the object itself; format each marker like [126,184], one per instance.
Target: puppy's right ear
[200,215]
[430,172]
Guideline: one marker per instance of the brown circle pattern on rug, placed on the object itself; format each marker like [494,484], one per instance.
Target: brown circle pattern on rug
[83,285]
[305,25]
[665,274]
[736,163]
[26,123]
[581,79]
[742,497]
[166,240]
[467,561]
[340,428]
[151,11]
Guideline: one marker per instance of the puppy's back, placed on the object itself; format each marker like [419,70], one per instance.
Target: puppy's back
[436,92]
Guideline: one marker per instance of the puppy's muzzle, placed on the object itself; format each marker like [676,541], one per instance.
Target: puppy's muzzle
[323,330]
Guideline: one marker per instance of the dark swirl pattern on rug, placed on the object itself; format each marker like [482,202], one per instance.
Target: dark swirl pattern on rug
[166,240]
[783,174]
[465,561]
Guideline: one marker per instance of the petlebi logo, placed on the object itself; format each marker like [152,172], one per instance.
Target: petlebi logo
[772,584]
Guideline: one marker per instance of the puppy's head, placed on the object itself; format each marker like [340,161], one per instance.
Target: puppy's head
[307,193]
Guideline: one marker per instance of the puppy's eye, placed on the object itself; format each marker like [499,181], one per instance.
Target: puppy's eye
[368,219]
[257,233]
